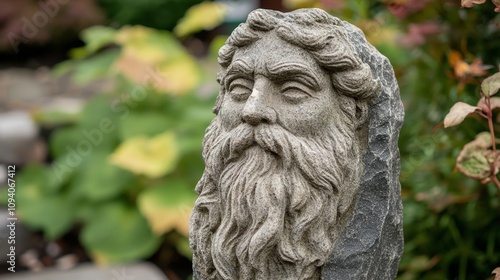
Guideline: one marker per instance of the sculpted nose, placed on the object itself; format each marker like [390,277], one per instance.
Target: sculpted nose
[256,111]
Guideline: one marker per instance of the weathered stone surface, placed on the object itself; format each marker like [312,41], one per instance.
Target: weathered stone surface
[302,164]
[372,243]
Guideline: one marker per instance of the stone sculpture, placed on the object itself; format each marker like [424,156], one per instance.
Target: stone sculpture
[302,164]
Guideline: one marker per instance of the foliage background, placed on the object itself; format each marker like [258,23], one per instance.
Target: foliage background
[137,181]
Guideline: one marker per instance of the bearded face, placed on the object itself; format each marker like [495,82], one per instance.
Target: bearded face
[279,168]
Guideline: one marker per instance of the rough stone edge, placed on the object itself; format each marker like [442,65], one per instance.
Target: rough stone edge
[353,259]
[372,243]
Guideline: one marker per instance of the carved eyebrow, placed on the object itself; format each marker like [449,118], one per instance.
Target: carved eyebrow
[294,71]
[238,69]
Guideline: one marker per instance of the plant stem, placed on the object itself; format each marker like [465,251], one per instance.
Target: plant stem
[493,165]
[483,115]
[490,124]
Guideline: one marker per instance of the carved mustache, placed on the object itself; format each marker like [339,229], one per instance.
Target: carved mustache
[316,156]
[270,137]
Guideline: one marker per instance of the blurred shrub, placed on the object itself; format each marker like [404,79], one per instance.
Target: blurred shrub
[440,52]
[162,14]
[124,169]
[204,16]
[33,22]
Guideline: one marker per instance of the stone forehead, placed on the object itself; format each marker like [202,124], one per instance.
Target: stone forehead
[271,50]
[308,17]
[310,29]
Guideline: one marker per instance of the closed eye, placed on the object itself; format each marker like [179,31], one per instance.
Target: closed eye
[240,89]
[295,92]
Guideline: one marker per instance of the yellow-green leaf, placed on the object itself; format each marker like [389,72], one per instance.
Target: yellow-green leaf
[216,44]
[473,160]
[154,58]
[153,157]
[204,16]
[146,44]
[167,206]
[178,77]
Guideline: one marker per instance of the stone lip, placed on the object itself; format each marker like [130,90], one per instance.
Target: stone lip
[372,243]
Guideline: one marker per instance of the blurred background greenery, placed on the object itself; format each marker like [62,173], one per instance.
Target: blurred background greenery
[120,93]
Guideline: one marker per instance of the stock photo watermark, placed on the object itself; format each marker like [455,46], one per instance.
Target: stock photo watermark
[11,217]
[47,10]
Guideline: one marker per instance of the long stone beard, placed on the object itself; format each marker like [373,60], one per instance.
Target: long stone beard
[268,203]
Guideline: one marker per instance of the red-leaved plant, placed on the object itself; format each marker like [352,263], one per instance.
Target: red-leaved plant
[480,158]
[471,3]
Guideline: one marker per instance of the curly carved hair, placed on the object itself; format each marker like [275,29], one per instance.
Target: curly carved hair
[324,38]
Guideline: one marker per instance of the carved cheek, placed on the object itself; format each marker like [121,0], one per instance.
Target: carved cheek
[310,117]
[230,114]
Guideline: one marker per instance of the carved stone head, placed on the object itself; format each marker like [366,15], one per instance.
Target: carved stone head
[284,153]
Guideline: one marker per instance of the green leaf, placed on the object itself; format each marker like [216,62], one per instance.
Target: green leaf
[62,139]
[216,44]
[40,178]
[54,215]
[118,234]
[144,123]
[96,132]
[39,207]
[95,38]
[95,110]
[473,160]
[204,16]
[167,206]
[95,67]
[97,179]
[191,127]
[87,210]
[491,85]
[99,124]
[474,164]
